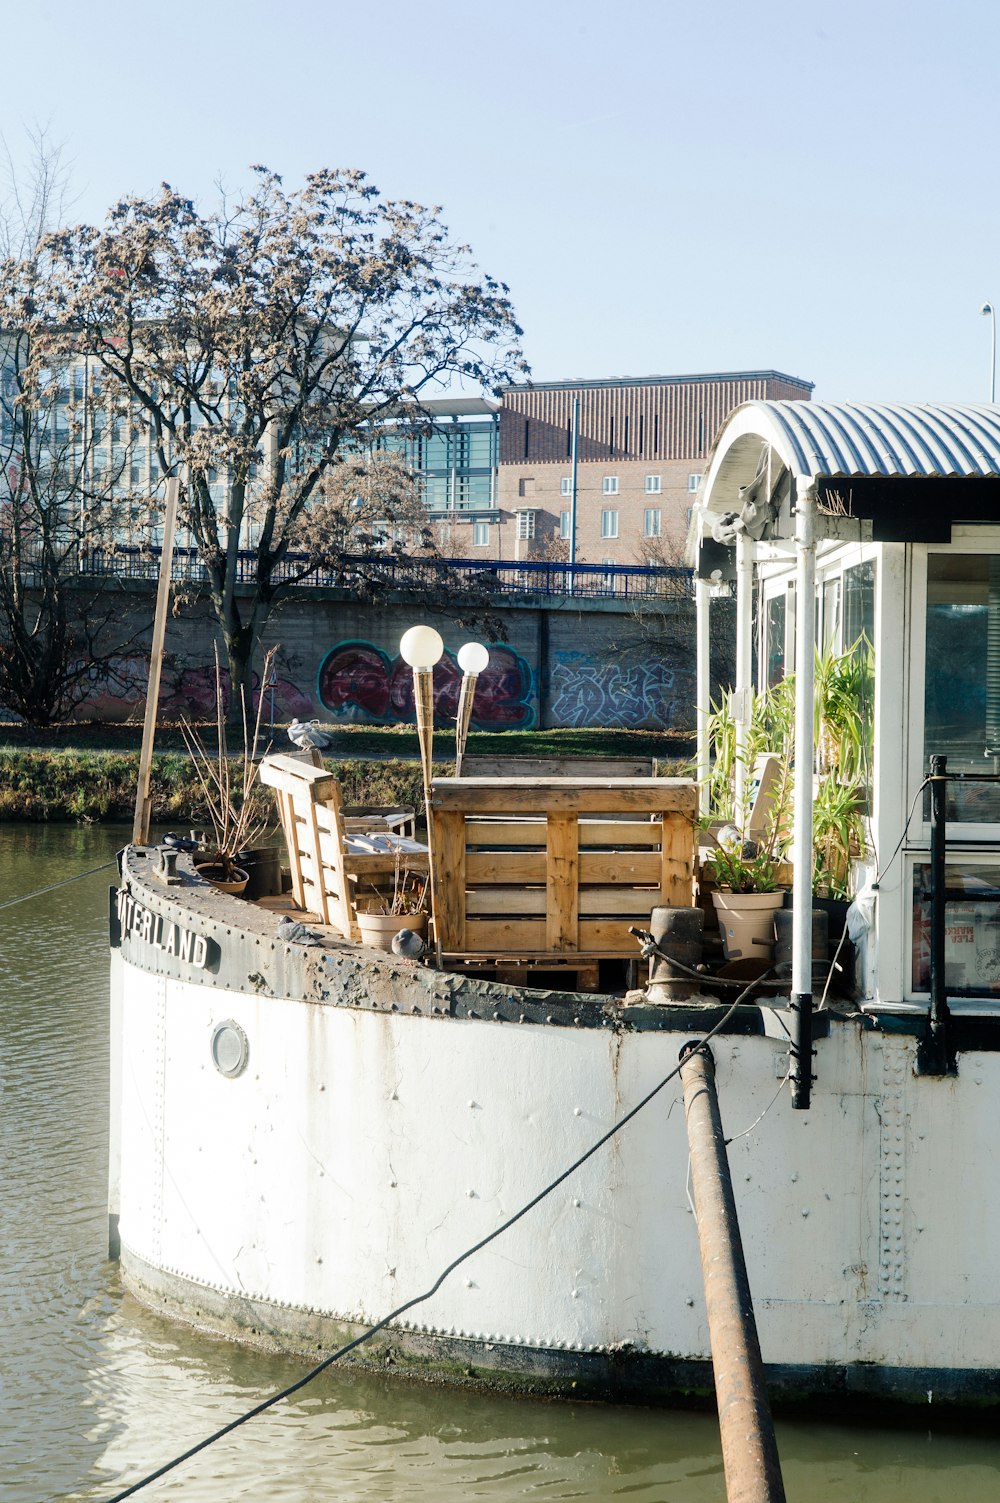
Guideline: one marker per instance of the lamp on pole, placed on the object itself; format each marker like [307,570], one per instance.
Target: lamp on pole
[473,658]
[989,308]
[421,647]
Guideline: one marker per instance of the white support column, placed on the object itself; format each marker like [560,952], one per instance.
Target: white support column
[703,683]
[802,841]
[743,694]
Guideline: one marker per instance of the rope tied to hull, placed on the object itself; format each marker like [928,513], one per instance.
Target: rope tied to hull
[420,1299]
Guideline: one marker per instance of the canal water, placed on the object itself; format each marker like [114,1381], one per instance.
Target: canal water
[95,1391]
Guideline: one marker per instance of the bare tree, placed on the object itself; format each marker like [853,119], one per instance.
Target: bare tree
[60,493]
[265,345]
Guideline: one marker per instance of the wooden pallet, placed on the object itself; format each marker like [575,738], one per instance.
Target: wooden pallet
[555,867]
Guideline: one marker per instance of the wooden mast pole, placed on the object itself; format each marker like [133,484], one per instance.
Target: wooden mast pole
[140,825]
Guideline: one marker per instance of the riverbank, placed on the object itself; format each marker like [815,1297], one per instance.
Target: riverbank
[89,773]
[98,786]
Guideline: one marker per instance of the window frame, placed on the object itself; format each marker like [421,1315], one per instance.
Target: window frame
[607,513]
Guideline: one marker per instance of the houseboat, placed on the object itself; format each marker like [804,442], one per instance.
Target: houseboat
[307,1131]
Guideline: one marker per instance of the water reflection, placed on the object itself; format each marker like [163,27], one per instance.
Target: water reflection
[97,1391]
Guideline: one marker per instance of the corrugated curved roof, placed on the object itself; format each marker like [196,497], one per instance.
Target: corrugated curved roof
[854,438]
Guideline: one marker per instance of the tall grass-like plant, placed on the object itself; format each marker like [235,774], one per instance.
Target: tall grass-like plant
[844,712]
[843,731]
[236,806]
[772,729]
[740,862]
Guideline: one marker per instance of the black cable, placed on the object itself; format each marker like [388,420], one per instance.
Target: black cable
[420,1298]
[880,873]
[65,883]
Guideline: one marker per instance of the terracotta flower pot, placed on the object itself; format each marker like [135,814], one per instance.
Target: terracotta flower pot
[229,879]
[379,929]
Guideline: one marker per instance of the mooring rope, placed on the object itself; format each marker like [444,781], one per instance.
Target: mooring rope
[40,891]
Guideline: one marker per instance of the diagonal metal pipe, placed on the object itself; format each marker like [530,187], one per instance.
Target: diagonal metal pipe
[749,1449]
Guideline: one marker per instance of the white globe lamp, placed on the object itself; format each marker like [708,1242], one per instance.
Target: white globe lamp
[421,647]
[473,657]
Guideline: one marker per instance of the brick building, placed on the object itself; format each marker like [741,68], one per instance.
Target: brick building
[641,451]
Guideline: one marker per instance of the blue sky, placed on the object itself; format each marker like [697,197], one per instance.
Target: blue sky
[666,187]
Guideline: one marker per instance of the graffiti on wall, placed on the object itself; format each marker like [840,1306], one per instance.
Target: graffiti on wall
[117,690]
[589,692]
[360,684]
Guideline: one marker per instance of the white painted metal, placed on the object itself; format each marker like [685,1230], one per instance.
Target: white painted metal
[895,712]
[742,701]
[805,675]
[703,683]
[115,1087]
[360,1152]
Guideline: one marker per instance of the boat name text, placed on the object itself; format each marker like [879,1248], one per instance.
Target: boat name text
[153,929]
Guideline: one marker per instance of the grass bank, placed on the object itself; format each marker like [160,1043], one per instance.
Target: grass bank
[93,786]
[372,741]
[89,773]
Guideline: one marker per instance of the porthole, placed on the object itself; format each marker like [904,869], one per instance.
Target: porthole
[230,1049]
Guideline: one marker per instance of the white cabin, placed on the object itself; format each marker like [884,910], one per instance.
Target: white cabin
[885,519]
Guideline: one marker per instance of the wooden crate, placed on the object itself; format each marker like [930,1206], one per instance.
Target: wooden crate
[558,866]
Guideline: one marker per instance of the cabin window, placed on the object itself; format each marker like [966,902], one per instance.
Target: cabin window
[859,603]
[962,677]
[830,639]
[971,951]
[774,640]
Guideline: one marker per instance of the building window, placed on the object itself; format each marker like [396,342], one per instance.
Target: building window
[525,524]
[564,524]
[653,485]
[566,485]
[609,485]
[609,524]
[694,482]
[651,522]
[481,534]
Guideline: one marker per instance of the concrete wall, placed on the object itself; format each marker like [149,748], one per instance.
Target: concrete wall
[563,664]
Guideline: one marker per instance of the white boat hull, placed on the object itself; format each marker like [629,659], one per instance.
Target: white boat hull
[362,1149]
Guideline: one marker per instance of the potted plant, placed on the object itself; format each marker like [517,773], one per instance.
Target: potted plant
[747,862]
[236,808]
[749,881]
[385,914]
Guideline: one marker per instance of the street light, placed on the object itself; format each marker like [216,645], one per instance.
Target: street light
[989,308]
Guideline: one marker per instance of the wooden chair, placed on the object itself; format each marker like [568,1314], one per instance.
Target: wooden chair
[325,869]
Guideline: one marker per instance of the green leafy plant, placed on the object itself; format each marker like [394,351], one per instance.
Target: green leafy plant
[843,728]
[741,862]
